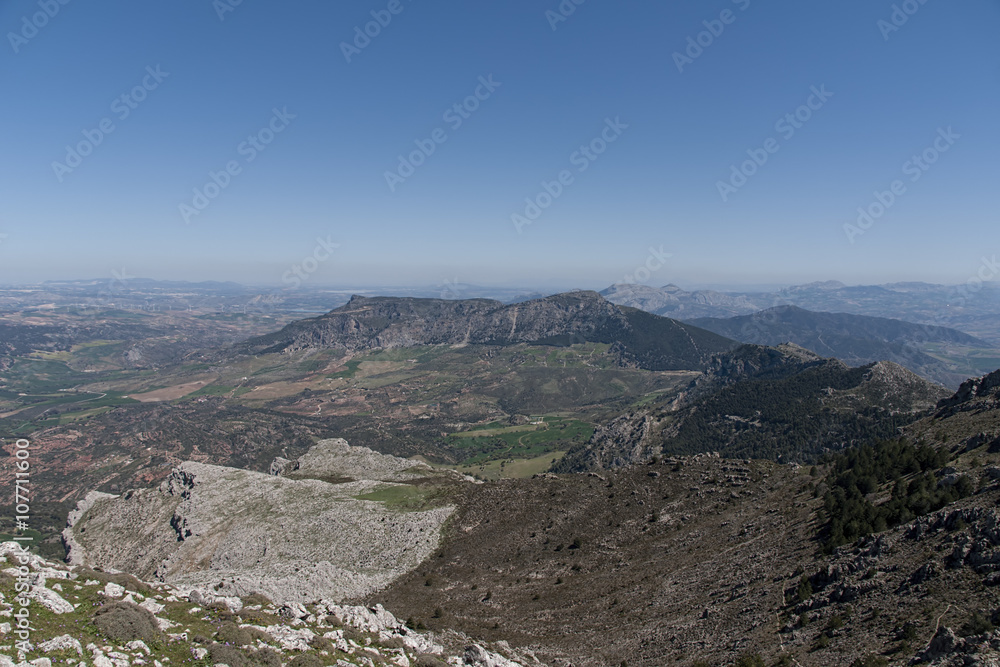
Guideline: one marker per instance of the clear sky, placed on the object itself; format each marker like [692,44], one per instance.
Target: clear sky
[202,82]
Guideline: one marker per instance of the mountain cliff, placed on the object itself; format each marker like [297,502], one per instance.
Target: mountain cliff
[642,340]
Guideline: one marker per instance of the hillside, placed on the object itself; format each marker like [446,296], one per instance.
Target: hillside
[756,402]
[686,558]
[854,339]
[365,324]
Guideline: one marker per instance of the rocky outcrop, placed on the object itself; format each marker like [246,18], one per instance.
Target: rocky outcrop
[336,459]
[972,393]
[240,532]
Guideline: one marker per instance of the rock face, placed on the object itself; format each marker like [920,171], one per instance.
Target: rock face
[984,389]
[241,532]
[640,339]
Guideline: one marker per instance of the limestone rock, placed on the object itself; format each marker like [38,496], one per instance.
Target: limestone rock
[62,643]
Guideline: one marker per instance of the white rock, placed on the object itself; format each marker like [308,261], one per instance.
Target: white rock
[199,653]
[91,582]
[165,624]
[62,643]
[41,662]
[113,590]
[50,600]
[5,661]
[137,645]
[57,587]
[153,607]
[291,640]
[4,628]
[480,657]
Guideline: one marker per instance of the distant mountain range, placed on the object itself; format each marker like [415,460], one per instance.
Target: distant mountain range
[974,310]
[854,339]
[640,339]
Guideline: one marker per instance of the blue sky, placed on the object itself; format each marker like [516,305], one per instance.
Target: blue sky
[556,85]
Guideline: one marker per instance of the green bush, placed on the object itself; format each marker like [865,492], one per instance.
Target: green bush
[805,589]
[229,655]
[124,622]
[750,660]
[321,643]
[234,657]
[306,660]
[428,660]
[230,633]
[976,625]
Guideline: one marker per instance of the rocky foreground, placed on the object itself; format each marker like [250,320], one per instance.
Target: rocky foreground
[242,532]
[76,616]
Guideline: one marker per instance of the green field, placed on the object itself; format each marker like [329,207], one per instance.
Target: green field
[511,468]
[497,442]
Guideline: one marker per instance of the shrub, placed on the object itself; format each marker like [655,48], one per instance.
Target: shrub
[871,661]
[836,622]
[266,657]
[234,657]
[124,622]
[306,660]
[321,643]
[750,660]
[428,660]
[976,625]
[805,589]
[229,655]
[230,633]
